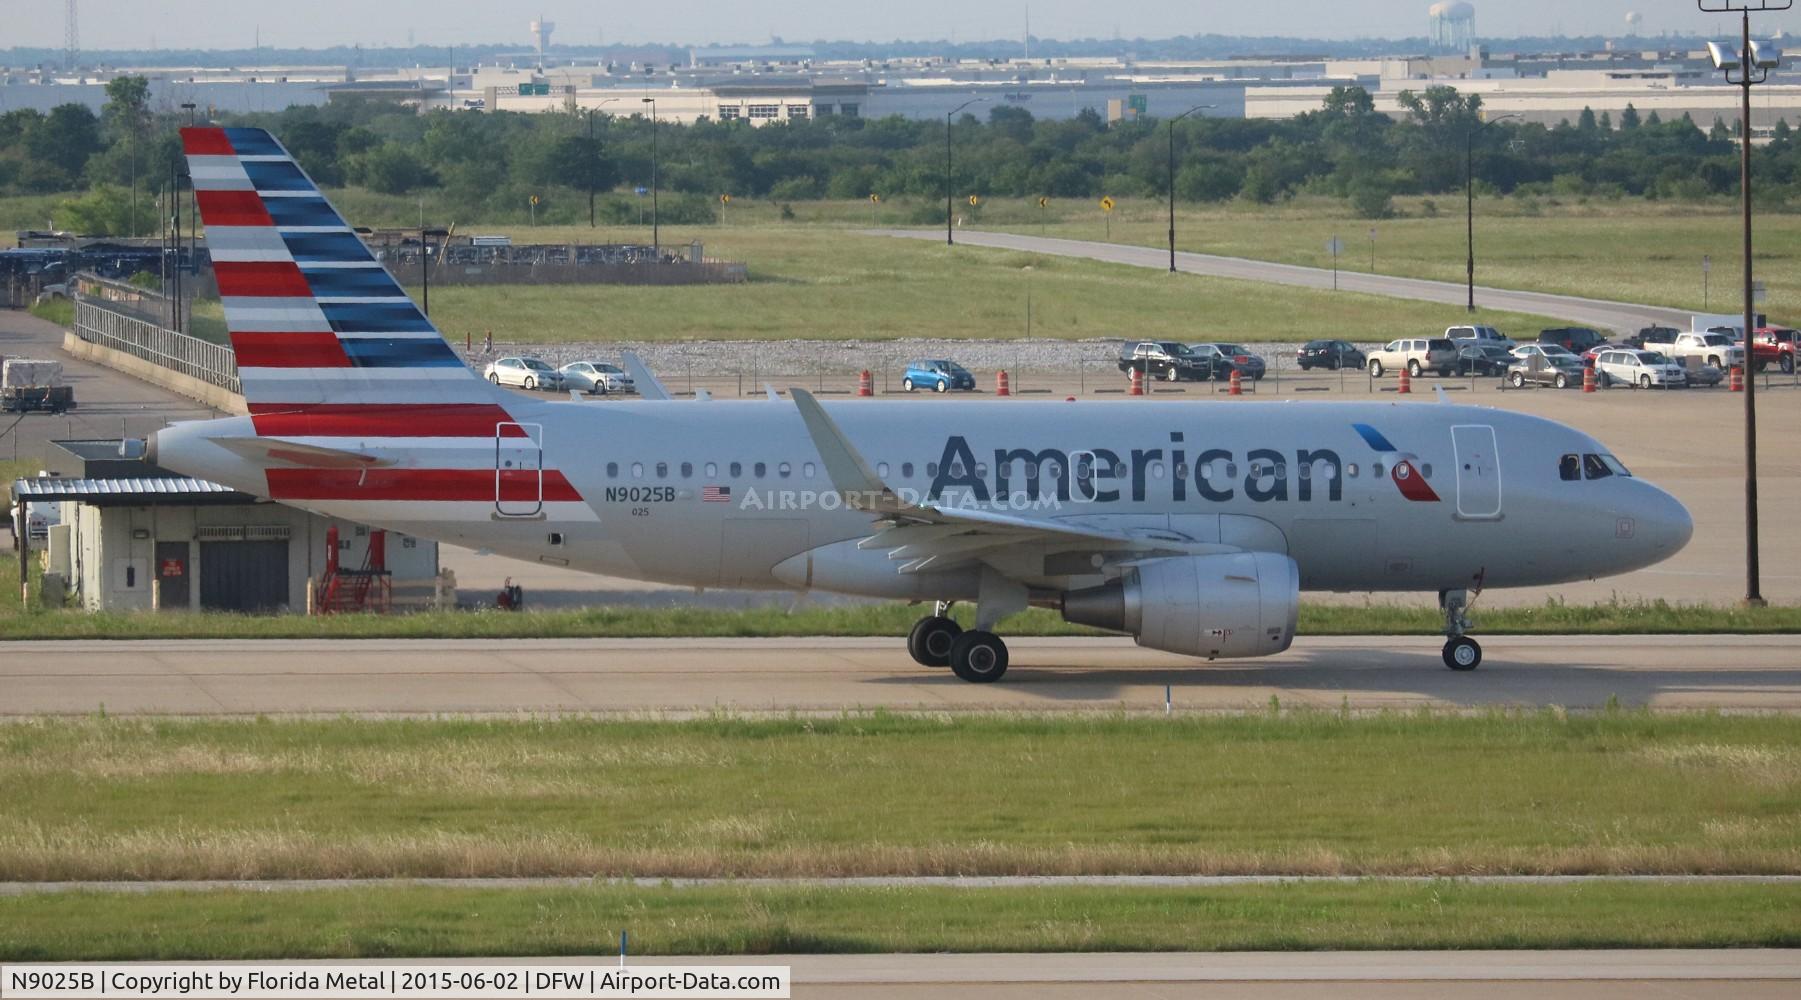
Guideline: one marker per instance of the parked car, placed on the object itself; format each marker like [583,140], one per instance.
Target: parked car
[1639,369]
[1482,357]
[1774,345]
[1654,338]
[1575,339]
[1417,355]
[938,375]
[1226,357]
[1486,334]
[1329,354]
[597,377]
[1544,364]
[1164,359]
[526,373]
[1716,349]
[1589,356]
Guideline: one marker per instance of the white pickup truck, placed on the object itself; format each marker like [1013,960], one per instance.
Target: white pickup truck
[1715,349]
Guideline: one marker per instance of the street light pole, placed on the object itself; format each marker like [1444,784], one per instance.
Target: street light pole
[656,237]
[949,240]
[1752,68]
[1469,204]
[1172,181]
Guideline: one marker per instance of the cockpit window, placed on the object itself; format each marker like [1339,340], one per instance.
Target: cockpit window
[1595,468]
[1569,468]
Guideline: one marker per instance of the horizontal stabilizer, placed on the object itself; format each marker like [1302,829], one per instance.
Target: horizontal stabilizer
[268,451]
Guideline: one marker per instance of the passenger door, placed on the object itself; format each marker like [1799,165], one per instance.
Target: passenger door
[1478,472]
[519,470]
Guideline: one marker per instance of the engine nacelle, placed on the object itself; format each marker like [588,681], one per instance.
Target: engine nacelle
[1220,606]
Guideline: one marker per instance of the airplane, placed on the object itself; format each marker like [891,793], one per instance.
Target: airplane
[1192,526]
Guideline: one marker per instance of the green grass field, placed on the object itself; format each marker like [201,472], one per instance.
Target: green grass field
[826,283]
[419,922]
[1275,793]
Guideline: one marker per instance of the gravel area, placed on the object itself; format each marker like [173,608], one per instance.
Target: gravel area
[810,357]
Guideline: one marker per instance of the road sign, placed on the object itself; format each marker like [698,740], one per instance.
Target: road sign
[534,199]
[725,199]
[875,199]
[1335,246]
[1107,203]
[975,199]
[1706,263]
[640,190]
[1044,203]
[1137,102]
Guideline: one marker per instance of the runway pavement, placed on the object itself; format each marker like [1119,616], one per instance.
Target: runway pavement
[1623,317]
[683,676]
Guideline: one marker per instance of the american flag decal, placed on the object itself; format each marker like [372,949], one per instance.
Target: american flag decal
[716,494]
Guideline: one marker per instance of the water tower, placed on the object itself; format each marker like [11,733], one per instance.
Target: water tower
[1451,26]
[1633,20]
[541,30]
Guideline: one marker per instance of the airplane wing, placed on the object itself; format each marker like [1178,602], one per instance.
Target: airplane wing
[922,535]
[647,384]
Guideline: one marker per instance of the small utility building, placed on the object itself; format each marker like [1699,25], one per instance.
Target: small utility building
[136,537]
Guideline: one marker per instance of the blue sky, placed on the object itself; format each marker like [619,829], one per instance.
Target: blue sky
[119,24]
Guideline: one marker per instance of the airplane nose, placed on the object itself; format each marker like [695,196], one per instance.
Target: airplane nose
[1663,522]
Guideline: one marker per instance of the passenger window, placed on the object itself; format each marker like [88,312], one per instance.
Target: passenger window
[737,469]
[637,470]
[1231,470]
[784,470]
[981,470]
[1569,468]
[759,470]
[662,470]
[1376,470]
[1595,468]
[712,469]
[1426,470]
[1181,470]
[612,470]
[1351,470]
[932,470]
[881,469]
[906,470]
[687,470]
[807,470]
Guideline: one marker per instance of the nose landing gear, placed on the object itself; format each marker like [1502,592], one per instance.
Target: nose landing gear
[1461,652]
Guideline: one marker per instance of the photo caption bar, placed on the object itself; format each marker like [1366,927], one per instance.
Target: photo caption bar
[417,980]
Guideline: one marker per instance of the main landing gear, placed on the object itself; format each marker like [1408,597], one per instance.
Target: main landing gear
[977,655]
[1461,652]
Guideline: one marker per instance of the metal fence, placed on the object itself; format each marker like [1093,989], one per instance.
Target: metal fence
[99,324]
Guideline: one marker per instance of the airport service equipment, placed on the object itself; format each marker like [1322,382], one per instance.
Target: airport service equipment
[27,384]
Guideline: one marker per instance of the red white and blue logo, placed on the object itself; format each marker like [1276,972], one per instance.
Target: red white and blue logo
[1403,468]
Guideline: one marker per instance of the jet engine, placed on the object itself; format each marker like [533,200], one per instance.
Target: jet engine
[1219,606]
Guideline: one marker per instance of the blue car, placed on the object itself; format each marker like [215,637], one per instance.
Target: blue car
[937,375]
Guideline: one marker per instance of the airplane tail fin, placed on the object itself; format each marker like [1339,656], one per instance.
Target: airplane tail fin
[317,323]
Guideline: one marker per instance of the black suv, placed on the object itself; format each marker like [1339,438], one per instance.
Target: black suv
[1329,354]
[1163,359]
[1575,339]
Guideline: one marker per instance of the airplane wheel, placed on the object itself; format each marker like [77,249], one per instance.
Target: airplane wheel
[1463,653]
[930,641]
[907,384]
[979,657]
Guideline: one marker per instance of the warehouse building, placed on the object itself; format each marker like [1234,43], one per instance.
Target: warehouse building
[129,536]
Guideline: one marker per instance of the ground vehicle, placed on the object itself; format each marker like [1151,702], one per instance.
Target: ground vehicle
[1653,338]
[937,375]
[1639,369]
[1225,358]
[599,377]
[901,501]
[1774,345]
[27,385]
[1167,360]
[1485,334]
[1330,354]
[1544,364]
[526,373]
[1575,339]
[1589,356]
[1482,357]
[1417,355]
[1716,349]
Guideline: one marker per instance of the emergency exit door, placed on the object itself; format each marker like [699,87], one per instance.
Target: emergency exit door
[518,469]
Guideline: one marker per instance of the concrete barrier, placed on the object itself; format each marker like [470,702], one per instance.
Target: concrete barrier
[217,397]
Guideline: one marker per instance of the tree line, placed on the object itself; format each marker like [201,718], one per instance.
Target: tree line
[487,166]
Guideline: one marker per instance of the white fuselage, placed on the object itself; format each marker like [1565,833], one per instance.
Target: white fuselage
[645,483]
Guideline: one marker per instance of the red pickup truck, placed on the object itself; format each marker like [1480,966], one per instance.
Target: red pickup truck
[1774,345]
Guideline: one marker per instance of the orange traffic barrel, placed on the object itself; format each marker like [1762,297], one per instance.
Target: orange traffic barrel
[1738,379]
[1237,383]
[1138,381]
[1588,379]
[1406,385]
[865,383]
[1002,387]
